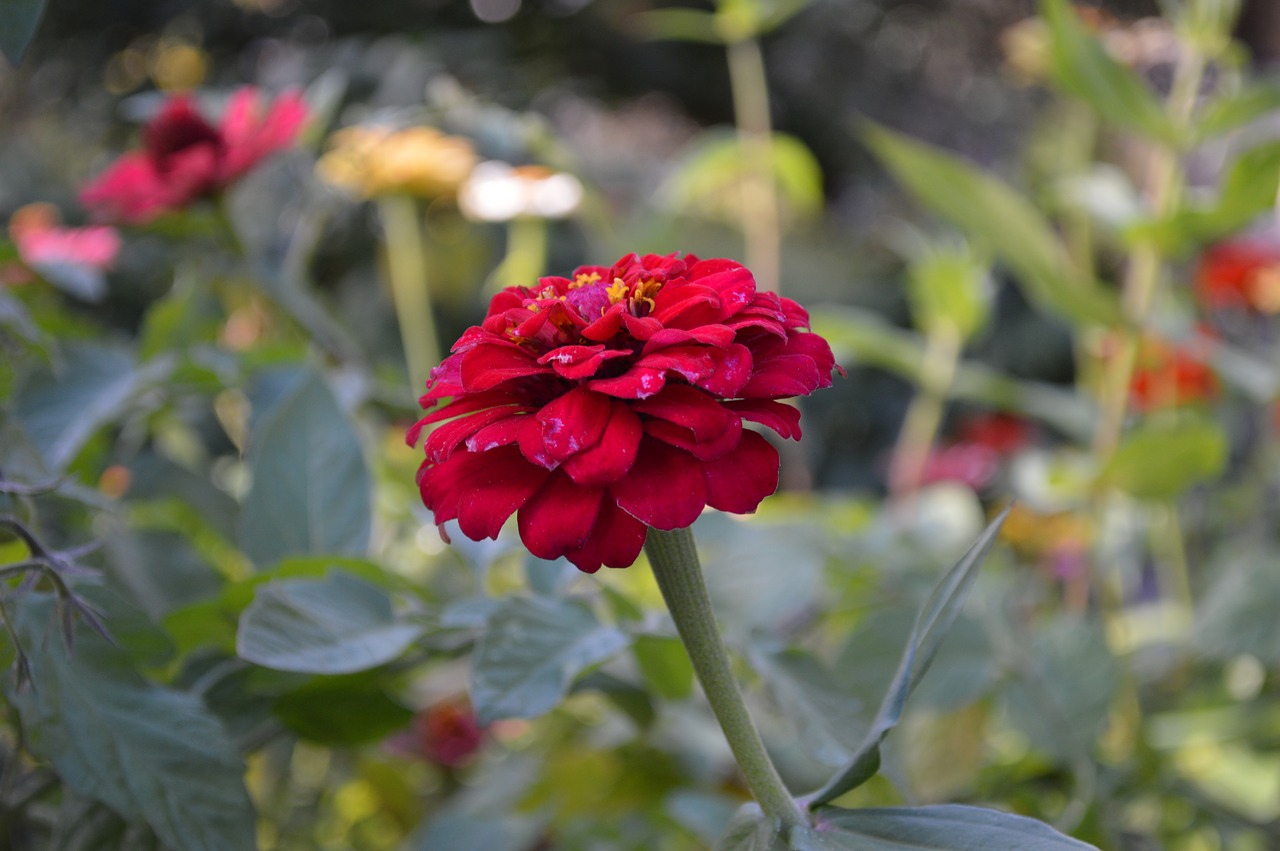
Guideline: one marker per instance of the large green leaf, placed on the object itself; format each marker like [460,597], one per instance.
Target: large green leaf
[342,711]
[150,753]
[1082,67]
[335,625]
[997,218]
[665,665]
[533,650]
[935,619]
[18,22]
[61,408]
[948,827]
[311,488]
[1161,459]
[751,830]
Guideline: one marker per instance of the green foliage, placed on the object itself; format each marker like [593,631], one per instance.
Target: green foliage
[532,650]
[338,625]
[148,752]
[998,219]
[1082,67]
[931,626]
[1162,458]
[311,488]
[18,22]
[942,828]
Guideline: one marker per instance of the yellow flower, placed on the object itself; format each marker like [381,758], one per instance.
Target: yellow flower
[371,161]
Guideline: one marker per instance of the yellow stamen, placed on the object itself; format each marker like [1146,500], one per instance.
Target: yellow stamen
[583,278]
[617,291]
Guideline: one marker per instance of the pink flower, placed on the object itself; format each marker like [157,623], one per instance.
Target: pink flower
[185,158]
[45,244]
[598,406]
[448,733]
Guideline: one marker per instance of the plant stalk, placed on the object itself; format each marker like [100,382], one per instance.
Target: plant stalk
[674,558]
[407,270]
[760,220]
[924,416]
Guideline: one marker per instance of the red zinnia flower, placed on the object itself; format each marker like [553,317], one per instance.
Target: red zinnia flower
[601,405]
[1244,274]
[1168,377]
[185,158]
[449,733]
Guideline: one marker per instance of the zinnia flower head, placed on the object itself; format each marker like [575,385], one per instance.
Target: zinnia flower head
[596,406]
[1241,274]
[371,161]
[1168,376]
[448,733]
[185,158]
[41,240]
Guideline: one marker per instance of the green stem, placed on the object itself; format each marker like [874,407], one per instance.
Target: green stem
[674,558]
[526,252]
[924,416]
[760,224]
[407,269]
[1142,278]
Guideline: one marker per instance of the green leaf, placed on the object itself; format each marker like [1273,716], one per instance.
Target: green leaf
[149,753]
[18,22]
[341,711]
[665,665]
[751,830]
[1064,688]
[335,625]
[459,831]
[1160,459]
[61,408]
[1238,615]
[1082,67]
[826,717]
[214,622]
[997,218]
[708,179]
[311,488]
[675,24]
[533,650]
[934,620]
[1248,191]
[949,827]
[1228,113]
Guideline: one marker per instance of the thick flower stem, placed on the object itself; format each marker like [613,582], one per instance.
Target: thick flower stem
[407,269]
[675,565]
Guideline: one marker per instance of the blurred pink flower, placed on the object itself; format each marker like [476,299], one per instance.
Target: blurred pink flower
[185,158]
[448,733]
[95,247]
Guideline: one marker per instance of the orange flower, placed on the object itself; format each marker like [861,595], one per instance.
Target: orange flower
[1169,377]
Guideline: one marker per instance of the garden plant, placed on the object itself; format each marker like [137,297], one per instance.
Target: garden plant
[425,471]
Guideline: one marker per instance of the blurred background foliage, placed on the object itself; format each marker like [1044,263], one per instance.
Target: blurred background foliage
[1116,671]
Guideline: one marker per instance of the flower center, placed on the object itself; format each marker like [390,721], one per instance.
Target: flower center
[639,296]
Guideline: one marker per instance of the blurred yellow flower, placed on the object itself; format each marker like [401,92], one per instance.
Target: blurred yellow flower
[372,161]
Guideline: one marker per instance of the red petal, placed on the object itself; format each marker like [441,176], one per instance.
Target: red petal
[666,488]
[636,383]
[487,366]
[703,450]
[574,422]
[504,432]
[615,540]
[611,458]
[737,482]
[731,373]
[480,489]
[779,416]
[689,407]
[559,517]
[444,440]
[578,362]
